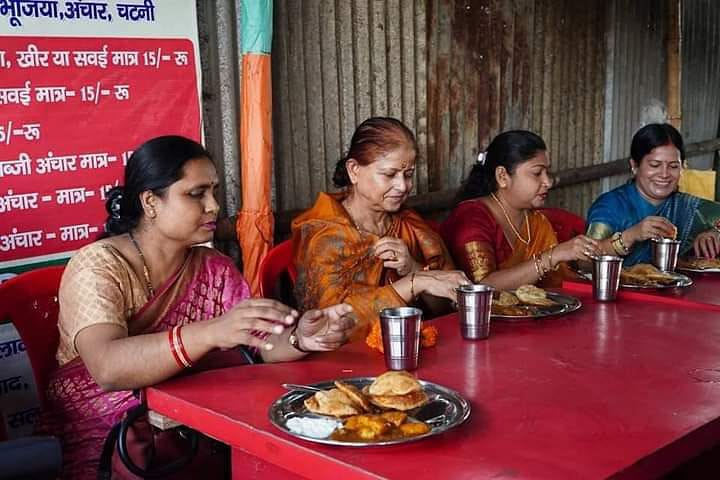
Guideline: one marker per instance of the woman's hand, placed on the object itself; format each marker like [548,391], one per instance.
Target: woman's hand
[707,244]
[579,248]
[395,254]
[441,283]
[326,329]
[650,227]
[240,325]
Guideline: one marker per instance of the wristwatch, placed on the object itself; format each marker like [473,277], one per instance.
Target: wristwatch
[295,341]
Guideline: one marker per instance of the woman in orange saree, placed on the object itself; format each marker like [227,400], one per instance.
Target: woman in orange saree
[495,234]
[146,303]
[361,247]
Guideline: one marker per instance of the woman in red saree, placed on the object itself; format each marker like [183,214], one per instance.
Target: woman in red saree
[145,303]
[361,246]
[495,234]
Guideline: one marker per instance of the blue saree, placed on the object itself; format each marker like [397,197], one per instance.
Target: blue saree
[623,207]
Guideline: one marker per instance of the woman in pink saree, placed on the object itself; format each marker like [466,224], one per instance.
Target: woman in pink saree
[145,303]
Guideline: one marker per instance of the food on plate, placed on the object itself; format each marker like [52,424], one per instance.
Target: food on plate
[394,383]
[378,412]
[524,302]
[373,427]
[396,391]
[358,399]
[532,295]
[331,402]
[506,299]
[513,310]
[407,401]
[697,263]
[646,274]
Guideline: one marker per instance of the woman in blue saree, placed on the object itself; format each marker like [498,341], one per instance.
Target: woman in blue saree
[649,206]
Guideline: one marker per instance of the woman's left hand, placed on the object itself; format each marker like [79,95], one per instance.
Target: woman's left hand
[707,244]
[325,329]
[395,254]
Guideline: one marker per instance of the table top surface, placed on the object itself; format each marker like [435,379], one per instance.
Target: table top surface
[629,388]
[704,290]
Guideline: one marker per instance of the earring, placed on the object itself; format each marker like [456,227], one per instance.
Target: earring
[152,213]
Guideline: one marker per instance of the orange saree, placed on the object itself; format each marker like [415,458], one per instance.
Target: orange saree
[478,244]
[335,262]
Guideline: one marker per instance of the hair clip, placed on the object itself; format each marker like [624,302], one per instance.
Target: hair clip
[115,206]
[481,158]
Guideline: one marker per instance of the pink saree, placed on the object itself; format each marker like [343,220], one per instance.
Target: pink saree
[79,412]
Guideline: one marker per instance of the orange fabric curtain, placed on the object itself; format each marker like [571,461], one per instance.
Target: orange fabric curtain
[255,221]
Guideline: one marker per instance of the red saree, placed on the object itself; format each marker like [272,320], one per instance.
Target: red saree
[478,244]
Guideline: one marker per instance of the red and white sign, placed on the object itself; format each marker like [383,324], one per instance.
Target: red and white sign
[72,109]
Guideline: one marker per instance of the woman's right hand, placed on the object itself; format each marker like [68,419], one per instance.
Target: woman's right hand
[240,324]
[440,283]
[651,227]
[580,248]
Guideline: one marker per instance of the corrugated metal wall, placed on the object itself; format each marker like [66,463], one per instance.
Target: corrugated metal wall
[636,80]
[336,63]
[701,74]
[457,72]
[584,75]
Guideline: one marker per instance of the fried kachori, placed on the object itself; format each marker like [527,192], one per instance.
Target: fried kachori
[358,399]
[532,295]
[697,263]
[506,299]
[646,274]
[331,402]
[404,402]
[394,383]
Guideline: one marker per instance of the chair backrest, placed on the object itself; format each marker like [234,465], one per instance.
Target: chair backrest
[278,260]
[30,301]
[566,224]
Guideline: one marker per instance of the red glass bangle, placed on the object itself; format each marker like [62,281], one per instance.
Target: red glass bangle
[183,353]
[173,349]
[178,349]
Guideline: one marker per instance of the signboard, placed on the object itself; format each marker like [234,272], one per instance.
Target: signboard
[82,83]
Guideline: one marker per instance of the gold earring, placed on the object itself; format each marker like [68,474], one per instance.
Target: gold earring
[153,214]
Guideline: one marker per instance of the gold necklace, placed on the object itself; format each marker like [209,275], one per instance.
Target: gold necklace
[362,230]
[507,217]
[146,270]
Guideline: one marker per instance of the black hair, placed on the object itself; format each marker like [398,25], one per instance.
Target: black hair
[154,166]
[509,149]
[375,136]
[652,136]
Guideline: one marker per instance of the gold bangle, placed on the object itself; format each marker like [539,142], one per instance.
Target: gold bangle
[538,266]
[557,265]
[622,244]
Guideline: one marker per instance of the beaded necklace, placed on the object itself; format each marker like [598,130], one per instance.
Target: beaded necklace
[146,270]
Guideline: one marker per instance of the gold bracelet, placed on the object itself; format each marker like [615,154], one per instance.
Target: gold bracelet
[412,287]
[555,268]
[618,245]
[622,244]
[538,266]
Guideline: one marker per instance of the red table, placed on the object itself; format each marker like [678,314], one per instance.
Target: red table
[705,290]
[629,389]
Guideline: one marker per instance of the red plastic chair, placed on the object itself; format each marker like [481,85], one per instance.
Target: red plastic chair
[566,224]
[278,260]
[30,301]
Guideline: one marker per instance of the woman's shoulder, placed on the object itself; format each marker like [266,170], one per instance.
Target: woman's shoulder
[99,254]
[475,210]
[212,255]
